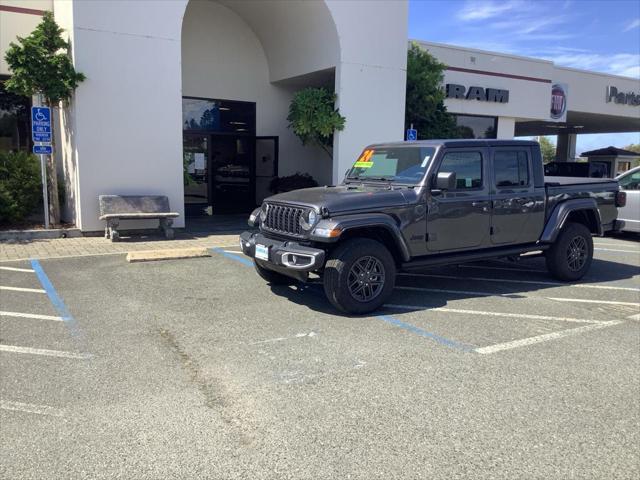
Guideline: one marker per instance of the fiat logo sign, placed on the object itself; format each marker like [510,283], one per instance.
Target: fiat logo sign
[558,101]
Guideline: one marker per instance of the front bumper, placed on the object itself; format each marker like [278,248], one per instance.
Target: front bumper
[286,257]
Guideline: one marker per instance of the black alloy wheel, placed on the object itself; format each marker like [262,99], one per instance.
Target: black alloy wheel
[366,278]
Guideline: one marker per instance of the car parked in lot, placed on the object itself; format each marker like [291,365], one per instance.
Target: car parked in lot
[410,205]
[629,215]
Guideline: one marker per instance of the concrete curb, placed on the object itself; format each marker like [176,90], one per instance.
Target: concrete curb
[22,235]
[167,254]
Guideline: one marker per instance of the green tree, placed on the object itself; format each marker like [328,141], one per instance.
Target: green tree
[425,98]
[548,149]
[20,190]
[40,65]
[314,118]
[633,147]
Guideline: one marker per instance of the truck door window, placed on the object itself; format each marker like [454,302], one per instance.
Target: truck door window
[511,168]
[467,167]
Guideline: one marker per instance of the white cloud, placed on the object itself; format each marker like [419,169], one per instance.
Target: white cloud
[633,24]
[484,9]
[625,64]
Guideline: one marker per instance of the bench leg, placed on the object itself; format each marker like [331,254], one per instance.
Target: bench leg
[165,225]
[112,229]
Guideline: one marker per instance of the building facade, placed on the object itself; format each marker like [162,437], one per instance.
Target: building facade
[189,98]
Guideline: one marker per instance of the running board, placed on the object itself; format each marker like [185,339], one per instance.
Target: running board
[453,258]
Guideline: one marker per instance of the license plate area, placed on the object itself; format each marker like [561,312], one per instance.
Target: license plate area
[262,252]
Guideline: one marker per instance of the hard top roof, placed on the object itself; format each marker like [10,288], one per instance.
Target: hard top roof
[462,142]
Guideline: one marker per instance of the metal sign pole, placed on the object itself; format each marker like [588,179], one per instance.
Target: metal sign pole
[37,131]
[45,193]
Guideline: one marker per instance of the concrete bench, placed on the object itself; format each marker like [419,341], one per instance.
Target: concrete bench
[114,208]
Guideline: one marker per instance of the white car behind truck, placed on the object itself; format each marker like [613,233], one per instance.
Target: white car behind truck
[629,215]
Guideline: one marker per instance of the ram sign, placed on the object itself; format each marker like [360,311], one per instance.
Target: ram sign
[477,93]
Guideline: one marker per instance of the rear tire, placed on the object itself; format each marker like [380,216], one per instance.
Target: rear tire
[569,258]
[359,276]
[272,277]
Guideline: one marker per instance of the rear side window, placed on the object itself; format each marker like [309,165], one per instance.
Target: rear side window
[511,168]
[467,167]
[630,181]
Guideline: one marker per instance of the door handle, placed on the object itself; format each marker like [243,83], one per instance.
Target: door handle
[479,204]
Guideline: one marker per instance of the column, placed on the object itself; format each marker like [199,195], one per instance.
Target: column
[506,128]
[566,147]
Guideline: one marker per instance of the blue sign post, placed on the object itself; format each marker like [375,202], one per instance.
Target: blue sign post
[42,149]
[41,133]
[412,134]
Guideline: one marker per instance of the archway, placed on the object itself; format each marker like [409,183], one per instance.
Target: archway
[241,64]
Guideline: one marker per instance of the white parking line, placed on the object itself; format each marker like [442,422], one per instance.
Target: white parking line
[616,250]
[611,244]
[44,351]
[30,408]
[606,302]
[531,282]
[35,316]
[511,295]
[490,314]
[21,289]
[15,269]
[634,317]
[543,338]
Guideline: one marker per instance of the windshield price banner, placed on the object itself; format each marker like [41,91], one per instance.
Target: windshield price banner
[365,160]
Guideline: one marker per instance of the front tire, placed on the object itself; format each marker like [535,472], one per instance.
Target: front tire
[359,276]
[569,258]
[274,278]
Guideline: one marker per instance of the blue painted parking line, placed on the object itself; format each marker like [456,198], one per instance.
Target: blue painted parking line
[55,299]
[233,256]
[386,318]
[423,333]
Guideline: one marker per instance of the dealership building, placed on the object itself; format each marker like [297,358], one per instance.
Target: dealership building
[200,89]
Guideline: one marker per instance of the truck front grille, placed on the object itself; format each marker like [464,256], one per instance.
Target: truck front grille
[283,220]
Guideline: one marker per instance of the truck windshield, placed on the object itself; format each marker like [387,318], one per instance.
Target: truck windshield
[396,164]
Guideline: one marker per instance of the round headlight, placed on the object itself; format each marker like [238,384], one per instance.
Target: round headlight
[263,212]
[308,219]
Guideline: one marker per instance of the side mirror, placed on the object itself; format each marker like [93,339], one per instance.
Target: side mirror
[446,181]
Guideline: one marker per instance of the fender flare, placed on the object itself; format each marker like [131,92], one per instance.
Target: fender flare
[562,211]
[348,223]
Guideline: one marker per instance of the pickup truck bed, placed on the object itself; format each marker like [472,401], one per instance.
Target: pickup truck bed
[560,189]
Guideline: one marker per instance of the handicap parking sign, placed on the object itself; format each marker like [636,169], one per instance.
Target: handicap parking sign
[412,134]
[41,124]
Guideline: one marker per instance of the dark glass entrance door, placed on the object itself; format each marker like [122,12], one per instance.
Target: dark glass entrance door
[232,173]
[266,166]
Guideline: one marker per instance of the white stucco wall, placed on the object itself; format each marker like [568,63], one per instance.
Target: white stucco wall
[587,92]
[371,75]
[127,115]
[528,98]
[13,24]
[126,119]
[222,58]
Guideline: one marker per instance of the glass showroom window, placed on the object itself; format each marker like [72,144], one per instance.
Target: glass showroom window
[471,126]
[15,131]
[218,116]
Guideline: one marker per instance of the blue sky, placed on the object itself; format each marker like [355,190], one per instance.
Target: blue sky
[599,35]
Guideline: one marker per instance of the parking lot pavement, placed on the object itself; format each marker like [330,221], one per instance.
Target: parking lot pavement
[198,369]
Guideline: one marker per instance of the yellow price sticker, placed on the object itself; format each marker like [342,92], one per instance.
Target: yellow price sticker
[363,164]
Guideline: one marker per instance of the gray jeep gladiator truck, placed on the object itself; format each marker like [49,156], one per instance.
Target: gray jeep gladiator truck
[412,205]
